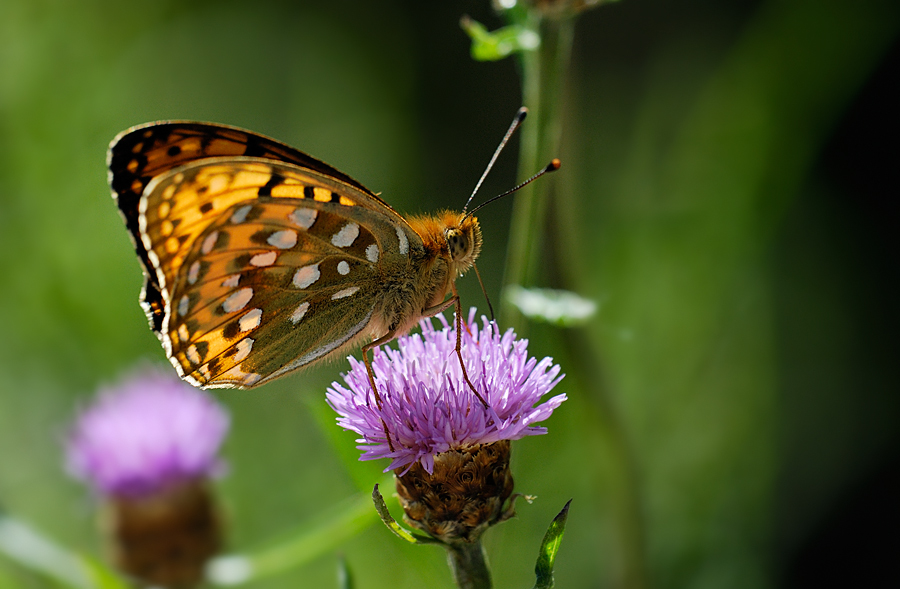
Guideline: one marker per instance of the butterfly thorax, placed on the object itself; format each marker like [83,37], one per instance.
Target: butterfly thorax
[451,243]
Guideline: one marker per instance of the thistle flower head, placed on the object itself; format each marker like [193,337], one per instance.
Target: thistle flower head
[426,405]
[145,433]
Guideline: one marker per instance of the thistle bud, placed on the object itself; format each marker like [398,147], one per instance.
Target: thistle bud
[147,447]
[462,497]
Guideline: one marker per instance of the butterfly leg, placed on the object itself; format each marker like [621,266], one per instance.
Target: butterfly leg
[457,304]
[365,354]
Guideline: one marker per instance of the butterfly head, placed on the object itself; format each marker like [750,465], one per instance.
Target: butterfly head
[463,236]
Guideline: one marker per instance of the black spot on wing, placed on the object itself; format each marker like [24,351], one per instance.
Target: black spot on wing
[202,349]
[274,181]
[231,330]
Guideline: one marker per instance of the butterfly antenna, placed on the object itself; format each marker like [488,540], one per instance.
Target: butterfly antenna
[551,167]
[484,290]
[520,116]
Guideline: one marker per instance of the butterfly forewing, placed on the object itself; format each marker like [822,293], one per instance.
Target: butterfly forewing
[263,267]
[144,152]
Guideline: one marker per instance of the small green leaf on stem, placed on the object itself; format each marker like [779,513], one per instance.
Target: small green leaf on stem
[543,568]
[392,524]
[493,46]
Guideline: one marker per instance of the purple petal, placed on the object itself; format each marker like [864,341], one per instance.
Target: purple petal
[427,405]
[149,430]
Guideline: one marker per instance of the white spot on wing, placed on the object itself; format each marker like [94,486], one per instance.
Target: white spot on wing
[231,281]
[183,305]
[284,239]
[209,242]
[299,312]
[304,217]
[243,348]
[194,272]
[237,300]
[401,237]
[193,355]
[343,268]
[265,259]
[342,294]
[306,276]
[346,236]
[372,253]
[240,215]
[183,332]
[250,320]
[236,375]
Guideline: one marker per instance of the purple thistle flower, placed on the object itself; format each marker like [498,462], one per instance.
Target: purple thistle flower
[426,404]
[145,433]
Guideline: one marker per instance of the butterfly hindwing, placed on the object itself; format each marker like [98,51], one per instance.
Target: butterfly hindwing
[263,267]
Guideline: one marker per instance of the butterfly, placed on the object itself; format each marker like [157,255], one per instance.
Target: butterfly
[260,259]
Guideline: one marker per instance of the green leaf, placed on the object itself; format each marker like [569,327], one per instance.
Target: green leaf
[543,568]
[392,524]
[313,539]
[101,577]
[345,578]
[25,546]
[493,46]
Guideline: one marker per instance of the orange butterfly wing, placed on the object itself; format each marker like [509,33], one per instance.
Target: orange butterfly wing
[254,266]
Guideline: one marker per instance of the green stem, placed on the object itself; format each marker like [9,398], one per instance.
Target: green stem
[468,564]
[543,75]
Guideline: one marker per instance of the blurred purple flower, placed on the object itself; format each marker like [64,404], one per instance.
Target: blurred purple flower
[145,433]
[426,404]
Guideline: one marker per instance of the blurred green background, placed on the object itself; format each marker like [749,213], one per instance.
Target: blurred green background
[728,196]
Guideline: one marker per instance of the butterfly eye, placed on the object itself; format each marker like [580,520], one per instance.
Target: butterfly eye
[458,243]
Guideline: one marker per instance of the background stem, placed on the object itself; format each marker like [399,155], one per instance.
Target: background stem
[543,88]
[543,76]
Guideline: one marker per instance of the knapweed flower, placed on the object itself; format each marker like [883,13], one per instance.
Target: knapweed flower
[426,405]
[147,447]
[147,432]
[449,451]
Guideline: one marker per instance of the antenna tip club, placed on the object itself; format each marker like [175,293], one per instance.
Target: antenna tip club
[523,112]
[553,165]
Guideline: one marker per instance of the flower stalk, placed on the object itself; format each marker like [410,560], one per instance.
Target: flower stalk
[468,564]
